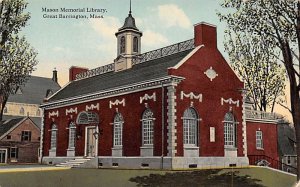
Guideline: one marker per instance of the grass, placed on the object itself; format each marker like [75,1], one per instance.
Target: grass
[249,177]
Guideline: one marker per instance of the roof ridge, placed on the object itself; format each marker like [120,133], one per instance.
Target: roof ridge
[144,57]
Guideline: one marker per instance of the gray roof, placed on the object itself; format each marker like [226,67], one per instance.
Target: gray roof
[129,23]
[286,139]
[152,69]
[35,90]
[37,120]
[8,124]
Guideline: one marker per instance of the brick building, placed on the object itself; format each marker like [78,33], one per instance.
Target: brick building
[19,141]
[180,106]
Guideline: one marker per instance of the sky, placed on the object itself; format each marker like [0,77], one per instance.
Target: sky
[65,42]
[91,43]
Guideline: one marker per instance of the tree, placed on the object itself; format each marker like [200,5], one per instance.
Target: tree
[17,63]
[279,22]
[17,58]
[256,65]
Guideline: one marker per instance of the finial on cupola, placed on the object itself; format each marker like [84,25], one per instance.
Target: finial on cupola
[130,7]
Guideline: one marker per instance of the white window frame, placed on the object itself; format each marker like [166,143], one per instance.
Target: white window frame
[259,139]
[230,127]
[22,111]
[147,128]
[16,150]
[72,135]
[190,127]
[53,138]
[26,134]
[118,130]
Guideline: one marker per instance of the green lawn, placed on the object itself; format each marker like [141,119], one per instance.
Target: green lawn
[106,177]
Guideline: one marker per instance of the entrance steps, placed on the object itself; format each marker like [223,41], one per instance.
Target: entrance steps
[73,163]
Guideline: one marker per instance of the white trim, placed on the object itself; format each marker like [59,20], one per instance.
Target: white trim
[58,91]
[6,152]
[187,57]
[122,90]
[230,101]
[92,107]
[41,138]
[147,97]
[274,122]
[51,114]
[71,110]
[191,95]
[117,102]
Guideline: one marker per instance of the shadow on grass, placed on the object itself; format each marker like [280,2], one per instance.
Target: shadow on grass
[197,178]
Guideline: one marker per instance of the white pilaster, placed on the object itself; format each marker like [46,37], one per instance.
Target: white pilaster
[244,127]
[171,112]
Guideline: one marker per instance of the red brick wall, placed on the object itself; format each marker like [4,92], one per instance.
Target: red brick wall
[269,131]
[73,71]
[132,131]
[226,85]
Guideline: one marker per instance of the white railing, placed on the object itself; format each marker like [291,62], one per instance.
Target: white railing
[261,115]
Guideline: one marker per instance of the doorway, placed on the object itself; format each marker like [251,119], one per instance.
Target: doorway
[3,155]
[91,142]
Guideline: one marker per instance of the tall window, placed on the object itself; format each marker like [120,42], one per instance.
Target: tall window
[147,122]
[13,153]
[72,133]
[190,127]
[26,136]
[135,44]
[229,130]
[122,44]
[259,140]
[53,136]
[38,112]
[22,111]
[118,129]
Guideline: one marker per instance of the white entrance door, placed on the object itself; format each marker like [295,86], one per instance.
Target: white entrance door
[3,155]
[91,143]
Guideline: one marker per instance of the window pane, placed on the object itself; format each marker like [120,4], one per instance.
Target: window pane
[190,134]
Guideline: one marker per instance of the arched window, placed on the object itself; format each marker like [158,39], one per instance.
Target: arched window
[22,111]
[85,118]
[147,125]
[190,127]
[229,130]
[122,44]
[38,112]
[53,136]
[5,110]
[72,133]
[118,129]
[135,44]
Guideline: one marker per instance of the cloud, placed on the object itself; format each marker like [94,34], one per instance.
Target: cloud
[153,39]
[58,49]
[106,28]
[172,15]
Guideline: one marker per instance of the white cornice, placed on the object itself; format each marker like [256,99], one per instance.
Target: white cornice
[186,57]
[122,90]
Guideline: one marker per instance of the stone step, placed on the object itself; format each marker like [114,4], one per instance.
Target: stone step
[73,163]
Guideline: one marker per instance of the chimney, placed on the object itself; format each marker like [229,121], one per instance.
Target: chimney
[74,70]
[54,76]
[205,34]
